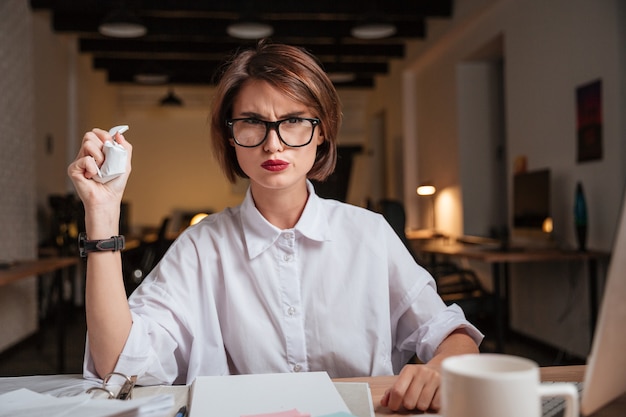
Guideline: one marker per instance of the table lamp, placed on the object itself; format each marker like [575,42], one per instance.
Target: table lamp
[427,189]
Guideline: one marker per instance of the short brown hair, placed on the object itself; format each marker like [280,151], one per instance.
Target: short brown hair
[295,72]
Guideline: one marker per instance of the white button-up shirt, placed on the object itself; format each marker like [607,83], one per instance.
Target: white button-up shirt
[235,295]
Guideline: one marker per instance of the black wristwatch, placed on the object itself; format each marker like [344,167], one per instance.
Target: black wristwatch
[114,243]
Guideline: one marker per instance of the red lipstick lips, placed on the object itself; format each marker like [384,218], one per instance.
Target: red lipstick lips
[275,165]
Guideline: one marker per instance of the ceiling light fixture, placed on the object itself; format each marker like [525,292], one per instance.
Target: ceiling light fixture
[151,78]
[373,30]
[122,23]
[151,73]
[171,99]
[249,30]
[341,77]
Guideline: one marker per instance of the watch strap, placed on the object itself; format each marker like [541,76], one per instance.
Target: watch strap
[85,246]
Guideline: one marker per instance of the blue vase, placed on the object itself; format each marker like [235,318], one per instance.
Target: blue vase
[580,217]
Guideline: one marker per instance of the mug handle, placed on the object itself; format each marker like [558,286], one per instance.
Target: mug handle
[569,391]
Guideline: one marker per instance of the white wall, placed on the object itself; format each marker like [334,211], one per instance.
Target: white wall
[44,102]
[51,68]
[549,49]
[543,67]
[173,166]
[481,134]
[18,308]
[569,44]
[387,99]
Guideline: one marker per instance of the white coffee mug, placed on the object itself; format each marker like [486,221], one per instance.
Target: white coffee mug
[497,385]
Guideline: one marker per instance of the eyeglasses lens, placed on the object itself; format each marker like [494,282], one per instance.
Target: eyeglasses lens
[293,132]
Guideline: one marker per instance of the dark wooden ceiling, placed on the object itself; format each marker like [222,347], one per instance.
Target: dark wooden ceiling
[187,39]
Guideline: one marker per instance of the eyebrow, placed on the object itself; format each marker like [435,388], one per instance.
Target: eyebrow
[254,115]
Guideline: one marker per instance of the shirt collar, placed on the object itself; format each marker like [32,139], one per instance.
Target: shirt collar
[259,234]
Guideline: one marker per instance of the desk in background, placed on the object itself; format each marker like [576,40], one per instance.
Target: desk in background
[425,235]
[500,261]
[61,267]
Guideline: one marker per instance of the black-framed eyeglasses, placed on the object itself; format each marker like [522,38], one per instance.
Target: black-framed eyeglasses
[294,132]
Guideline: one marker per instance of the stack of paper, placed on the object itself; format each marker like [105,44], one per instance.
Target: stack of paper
[24,402]
[234,396]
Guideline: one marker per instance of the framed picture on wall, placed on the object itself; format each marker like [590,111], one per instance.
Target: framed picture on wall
[589,121]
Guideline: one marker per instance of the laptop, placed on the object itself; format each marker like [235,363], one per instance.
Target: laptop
[605,375]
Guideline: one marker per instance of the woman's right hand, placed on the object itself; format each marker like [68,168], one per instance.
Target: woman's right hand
[95,195]
[108,315]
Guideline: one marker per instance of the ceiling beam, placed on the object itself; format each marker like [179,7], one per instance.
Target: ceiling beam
[187,39]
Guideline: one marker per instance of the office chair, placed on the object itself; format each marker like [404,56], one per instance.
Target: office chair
[145,258]
[454,284]
[461,286]
[393,212]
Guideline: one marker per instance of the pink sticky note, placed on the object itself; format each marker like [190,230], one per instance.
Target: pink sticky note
[288,413]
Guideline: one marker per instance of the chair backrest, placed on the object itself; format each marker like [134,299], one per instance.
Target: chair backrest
[393,211]
[150,253]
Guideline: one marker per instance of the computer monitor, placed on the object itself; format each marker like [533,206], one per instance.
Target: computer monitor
[532,218]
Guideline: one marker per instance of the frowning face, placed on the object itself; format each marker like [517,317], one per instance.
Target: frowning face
[273,164]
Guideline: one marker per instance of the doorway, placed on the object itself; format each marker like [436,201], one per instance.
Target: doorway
[482,142]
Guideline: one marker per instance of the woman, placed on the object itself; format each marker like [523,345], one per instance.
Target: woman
[285,282]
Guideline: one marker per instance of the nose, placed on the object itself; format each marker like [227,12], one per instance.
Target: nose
[272,141]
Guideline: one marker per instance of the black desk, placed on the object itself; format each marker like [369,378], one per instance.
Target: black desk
[500,261]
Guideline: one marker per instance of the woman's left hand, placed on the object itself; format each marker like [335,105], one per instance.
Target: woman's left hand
[417,387]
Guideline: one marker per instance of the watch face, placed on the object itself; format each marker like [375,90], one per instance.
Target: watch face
[81,244]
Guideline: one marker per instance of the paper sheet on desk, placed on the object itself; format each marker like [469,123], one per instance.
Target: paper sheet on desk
[237,395]
[115,158]
[357,397]
[56,385]
[26,403]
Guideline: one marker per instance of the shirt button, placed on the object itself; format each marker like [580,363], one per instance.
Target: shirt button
[291,311]
[287,258]
[297,367]
[288,236]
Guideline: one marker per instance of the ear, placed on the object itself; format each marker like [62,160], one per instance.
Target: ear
[320,139]
[232,142]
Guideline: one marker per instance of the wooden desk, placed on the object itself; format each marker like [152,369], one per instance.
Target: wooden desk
[60,266]
[425,235]
[24,269]
[379,384]
[500,261]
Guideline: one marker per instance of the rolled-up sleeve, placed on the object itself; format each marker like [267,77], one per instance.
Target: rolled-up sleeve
[422,320]
[443,321]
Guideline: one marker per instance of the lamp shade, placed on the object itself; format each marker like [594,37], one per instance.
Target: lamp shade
[171,99]
[197,218]
[342,76]
[151,78]
[426,189]
[121,23]
[373,30]
[249,30]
